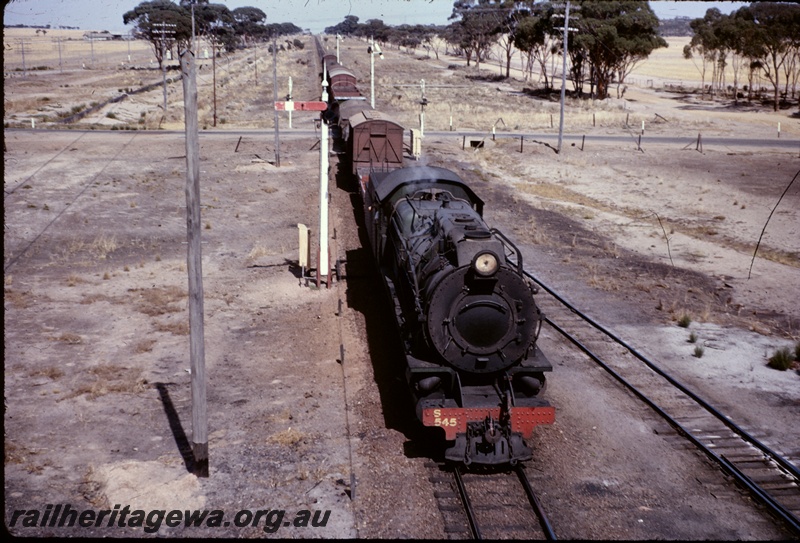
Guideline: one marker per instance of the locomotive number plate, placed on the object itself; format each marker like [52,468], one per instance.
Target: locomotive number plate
[454,419]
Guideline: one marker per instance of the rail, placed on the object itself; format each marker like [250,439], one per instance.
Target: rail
[757,491]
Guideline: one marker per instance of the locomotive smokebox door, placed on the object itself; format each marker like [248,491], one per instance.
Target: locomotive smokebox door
[482,325]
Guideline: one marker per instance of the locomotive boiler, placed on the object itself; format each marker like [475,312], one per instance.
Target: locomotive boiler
[465,311]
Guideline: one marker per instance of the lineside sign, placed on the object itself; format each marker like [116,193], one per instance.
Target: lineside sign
[300,106]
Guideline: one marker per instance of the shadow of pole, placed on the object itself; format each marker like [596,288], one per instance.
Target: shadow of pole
[184,447]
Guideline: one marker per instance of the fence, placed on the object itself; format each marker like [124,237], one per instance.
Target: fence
[42,52]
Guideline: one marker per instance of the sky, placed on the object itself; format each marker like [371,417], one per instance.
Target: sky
[311,14]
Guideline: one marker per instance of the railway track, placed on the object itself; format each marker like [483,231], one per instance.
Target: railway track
[770,478]
[489,504]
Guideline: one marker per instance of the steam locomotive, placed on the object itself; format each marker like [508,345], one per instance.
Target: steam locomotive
[465,311]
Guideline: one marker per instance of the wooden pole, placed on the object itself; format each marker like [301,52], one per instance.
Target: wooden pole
[275,99]
[563,78]
[195,269]
[214,76]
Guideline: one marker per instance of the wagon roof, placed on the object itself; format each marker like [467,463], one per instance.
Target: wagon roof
[388,183]
[367,115]
[339,70]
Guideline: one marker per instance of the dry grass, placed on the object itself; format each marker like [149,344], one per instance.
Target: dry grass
[17,299]
[74,279]
[288,438]
[70,338]
[102,246]
[159,300]
[144,346]
[97,297]
[179,328]
[42,50]
[51,372]
[108,379]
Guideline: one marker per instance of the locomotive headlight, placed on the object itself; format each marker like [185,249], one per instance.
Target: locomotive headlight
[485,264]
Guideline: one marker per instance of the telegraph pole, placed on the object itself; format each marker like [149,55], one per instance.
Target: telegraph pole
[563,78]
[166,28]
[275,99]
[194,259]
[22,49]
[60,65]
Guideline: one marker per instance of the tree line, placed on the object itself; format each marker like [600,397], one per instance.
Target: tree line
[606,40]
[761,39]
[224,28]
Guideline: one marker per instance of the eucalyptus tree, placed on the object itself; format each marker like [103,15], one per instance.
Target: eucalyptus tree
[476,27]
[536,38]
[149,20]
[249,24]
[216,23]
[349,26]
[707,44]
[772,30]
[614,37]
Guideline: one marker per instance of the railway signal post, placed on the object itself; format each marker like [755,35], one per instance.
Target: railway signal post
[323,264]
[373,49]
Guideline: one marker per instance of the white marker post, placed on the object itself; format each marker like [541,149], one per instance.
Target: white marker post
[289,98]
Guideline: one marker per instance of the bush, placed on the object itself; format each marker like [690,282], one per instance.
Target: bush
[781,360]
[699,351]
[684,321]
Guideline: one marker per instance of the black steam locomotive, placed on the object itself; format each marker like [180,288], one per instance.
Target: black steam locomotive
[465,311]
